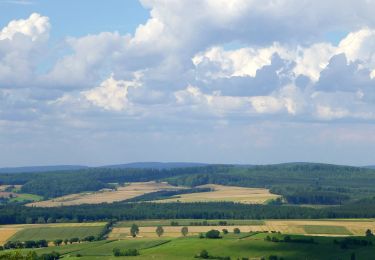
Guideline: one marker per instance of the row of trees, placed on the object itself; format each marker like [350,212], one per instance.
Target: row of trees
[134,230]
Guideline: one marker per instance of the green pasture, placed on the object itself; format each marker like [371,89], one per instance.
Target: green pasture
[52,233]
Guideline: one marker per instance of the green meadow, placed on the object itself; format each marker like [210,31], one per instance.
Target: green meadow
[242,246]
[52,233]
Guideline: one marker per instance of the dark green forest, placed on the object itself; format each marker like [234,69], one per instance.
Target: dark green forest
[15,214]
[347,192]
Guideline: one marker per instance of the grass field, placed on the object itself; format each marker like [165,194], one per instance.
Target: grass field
[237,247]
[327,230]
[226,193]
[23,197]
[122,193]
[52,233]
[49,232]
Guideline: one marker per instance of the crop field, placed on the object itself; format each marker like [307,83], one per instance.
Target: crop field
[52,233]
[226,193]
[252,246]
[328,230]
[7,232]
[302,227]
[188,222]
[49,232]
[122,193]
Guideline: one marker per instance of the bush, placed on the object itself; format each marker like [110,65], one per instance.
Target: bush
[236,231]
[89,238]
[213,234]
[204,254]
[225,231]
[127,252]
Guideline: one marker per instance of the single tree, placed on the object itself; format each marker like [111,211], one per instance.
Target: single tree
[134,230]
[184,231]
[225,231]
[159,231]
[236,231]
[57,242]
[213,234]
[369,233]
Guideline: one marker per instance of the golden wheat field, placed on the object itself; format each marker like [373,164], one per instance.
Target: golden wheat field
[303,227]
[122,193]
[226,193]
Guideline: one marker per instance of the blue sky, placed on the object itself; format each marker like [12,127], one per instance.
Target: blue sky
[224,81]
[79,18]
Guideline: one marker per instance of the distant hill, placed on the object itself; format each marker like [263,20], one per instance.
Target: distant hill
[41,168]
[155,165]
[370,166]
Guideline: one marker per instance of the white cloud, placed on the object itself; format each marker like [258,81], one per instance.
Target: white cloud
[112,94]
[36,27]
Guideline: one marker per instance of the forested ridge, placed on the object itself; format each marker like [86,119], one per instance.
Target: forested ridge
[298,183]
[15,214]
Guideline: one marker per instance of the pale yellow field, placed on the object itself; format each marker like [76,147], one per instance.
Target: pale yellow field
[284,226]
[122,193]
[7,232]
[226,193]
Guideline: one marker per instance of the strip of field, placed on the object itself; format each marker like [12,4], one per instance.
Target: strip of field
[122,193]
[328,230]
[49,232]
[302,227]
[226,193]
[190,222]
[52,233]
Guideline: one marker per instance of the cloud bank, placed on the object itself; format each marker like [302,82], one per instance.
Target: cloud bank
[201,64]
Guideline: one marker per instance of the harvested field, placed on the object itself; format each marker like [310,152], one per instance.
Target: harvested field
[7,232]
[122,193]
[226,193]
[302,227]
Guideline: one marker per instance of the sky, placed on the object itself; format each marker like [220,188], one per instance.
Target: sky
[216,81]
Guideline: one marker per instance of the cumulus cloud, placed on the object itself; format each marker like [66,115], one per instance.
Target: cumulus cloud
[112,94]
[36,27]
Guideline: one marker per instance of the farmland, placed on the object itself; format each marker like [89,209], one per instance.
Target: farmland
[49,232]
[121,193]
[226,193]
[301,227]
[249,245]
[132,190]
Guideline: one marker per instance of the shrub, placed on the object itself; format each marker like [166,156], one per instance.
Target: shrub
[225,231]
[204,254]
[213,234]
[236,231]
[127,252]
